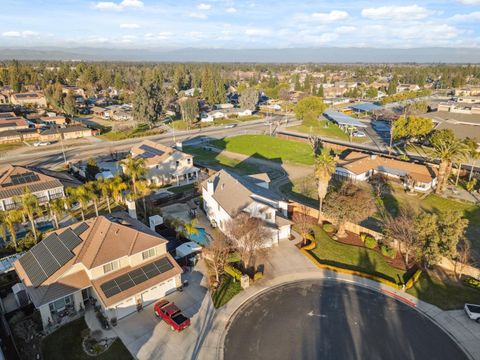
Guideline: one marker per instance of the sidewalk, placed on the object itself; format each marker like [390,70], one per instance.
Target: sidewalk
[286,264]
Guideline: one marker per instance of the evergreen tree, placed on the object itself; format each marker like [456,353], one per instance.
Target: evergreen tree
[147,106]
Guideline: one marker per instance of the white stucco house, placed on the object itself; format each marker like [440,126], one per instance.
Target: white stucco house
[166,165]
[226,194]
[116,260]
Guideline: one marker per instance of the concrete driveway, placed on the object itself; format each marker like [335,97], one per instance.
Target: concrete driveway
[147,337]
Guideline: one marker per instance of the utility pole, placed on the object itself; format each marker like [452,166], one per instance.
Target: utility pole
[61,143]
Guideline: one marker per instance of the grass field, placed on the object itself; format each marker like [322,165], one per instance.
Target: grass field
[226,291]
[211,158]
[331,252]
[66,343]
[326,128]
[269,148]
[122,135]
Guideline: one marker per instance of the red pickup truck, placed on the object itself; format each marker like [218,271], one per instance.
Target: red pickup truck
[171,314]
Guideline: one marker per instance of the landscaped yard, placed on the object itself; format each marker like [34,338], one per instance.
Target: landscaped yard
[211,158]
[226,291]
[331,252]
[269,148]
[66,343]
[433,290]
[327,129]
[303,190]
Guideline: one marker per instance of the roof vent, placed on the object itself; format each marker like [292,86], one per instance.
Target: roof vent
[373,156]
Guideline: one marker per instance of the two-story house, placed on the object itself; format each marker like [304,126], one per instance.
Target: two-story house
[15,179]
[226,194]
[116,260]
[165,165]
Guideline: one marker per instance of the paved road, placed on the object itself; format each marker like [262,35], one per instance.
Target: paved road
[331,320]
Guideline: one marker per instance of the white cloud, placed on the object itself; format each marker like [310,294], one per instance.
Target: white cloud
[258,32]
[345,29]
[129,26]
[195,35]
[231,10]
[334,15]
[203,6]
[201,16]
[109,5]
[164,35]
[405,13]
[470,2]
[24,34]
[474,16]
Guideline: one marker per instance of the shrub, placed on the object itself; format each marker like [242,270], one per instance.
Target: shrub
[258,275]
[388,251]
[235,273]
[473,283]
[363,236]
[413,279]
[370,242]
[328,228]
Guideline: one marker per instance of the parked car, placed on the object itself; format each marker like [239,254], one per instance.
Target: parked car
[41,143]
[473,311]
[359,134]
[229,126]
[172,315]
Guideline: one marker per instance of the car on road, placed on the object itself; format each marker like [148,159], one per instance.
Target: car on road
[359,134]
[41,143]
[473,311]
[172,315]
[230,126]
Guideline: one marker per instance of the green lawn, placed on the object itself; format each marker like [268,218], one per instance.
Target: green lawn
[433,290]
[269,148]
[303,190]
[180,189]
[66,343]
[122,135]
[331,252]
[326,128]
[211,158]
[226,291]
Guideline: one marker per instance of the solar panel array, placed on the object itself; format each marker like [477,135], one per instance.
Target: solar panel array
[25,178]
[135,277]
[45,258]
[149,151]
[80,229]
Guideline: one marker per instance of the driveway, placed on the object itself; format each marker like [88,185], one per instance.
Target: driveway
[146,337]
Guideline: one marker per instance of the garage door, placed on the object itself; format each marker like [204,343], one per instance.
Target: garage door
[158,291]
[126,308]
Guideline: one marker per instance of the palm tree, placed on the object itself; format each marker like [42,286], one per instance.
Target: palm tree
[116,187]
[448,149]
[57,208]
[324,168]
[142,191]
[30,208]
[135,169]
[11,219]
[92,192]
[80,195]
[472,153]
[103,186]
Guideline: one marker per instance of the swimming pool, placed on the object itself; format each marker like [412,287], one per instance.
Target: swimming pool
[201,237]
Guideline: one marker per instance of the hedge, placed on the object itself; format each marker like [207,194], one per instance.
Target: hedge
[388,251]
[370,242]
[235,273]
[413,279]
[258,275]
[328,228]
[473,283]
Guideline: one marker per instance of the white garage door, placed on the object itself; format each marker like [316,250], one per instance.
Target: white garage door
[126,308]
[158,291]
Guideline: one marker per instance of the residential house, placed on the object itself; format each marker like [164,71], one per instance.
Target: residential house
[458,108]
[223,106]
[116,260]
[15,123]
[99,111]
[359,166]
[53,120]
[15,136]
[8,115]
[32,98]
[226,194]
[407,87]
[165,165]
[75,90]
[467,91]
[15,179]
[65,133]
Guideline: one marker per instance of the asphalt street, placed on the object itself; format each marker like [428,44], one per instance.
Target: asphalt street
[331,320]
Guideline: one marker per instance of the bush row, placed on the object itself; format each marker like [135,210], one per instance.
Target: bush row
[235,273]
[473,283]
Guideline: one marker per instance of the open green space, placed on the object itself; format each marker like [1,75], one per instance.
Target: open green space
[325,128]
[66,343]
[226,291]
[214,159]
[269,148]
[433,290]
[122,135]
[331,252]
[8,147]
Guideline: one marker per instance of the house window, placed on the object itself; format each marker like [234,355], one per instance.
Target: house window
[268,216]
[177,163]
[148,253]
[189,161]
[114,265]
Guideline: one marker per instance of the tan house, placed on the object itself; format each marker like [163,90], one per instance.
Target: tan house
[66,133]
[116,260]
[15,179]
[32,98]
[15,123]
[53,120]
[361,166]
[14,136]
[166,165]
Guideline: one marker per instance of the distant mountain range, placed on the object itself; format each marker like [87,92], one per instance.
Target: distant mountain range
[288,55]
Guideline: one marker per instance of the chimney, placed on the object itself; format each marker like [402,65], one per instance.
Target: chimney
[210,187]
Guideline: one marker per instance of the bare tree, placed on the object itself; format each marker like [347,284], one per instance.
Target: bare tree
[379,183]
[247,235]
[217,252]
[463,258]
[304,223]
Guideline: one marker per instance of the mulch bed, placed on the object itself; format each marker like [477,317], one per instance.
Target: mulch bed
[355,240]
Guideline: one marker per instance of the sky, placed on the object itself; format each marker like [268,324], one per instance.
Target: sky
[235,24]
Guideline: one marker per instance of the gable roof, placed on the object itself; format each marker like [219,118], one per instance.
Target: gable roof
[14,179]
[359,163]
[234,192]
[153,153]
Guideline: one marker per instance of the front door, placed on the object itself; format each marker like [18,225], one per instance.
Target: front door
[86,295]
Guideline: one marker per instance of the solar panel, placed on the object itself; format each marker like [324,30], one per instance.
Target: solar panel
[25,178]
[58,249]
[33,269]
[70,239]
[80,229]
[138,276]
[151,270]
[163,265]
[126,284]
[109,285]
[46,260]
[111,292]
